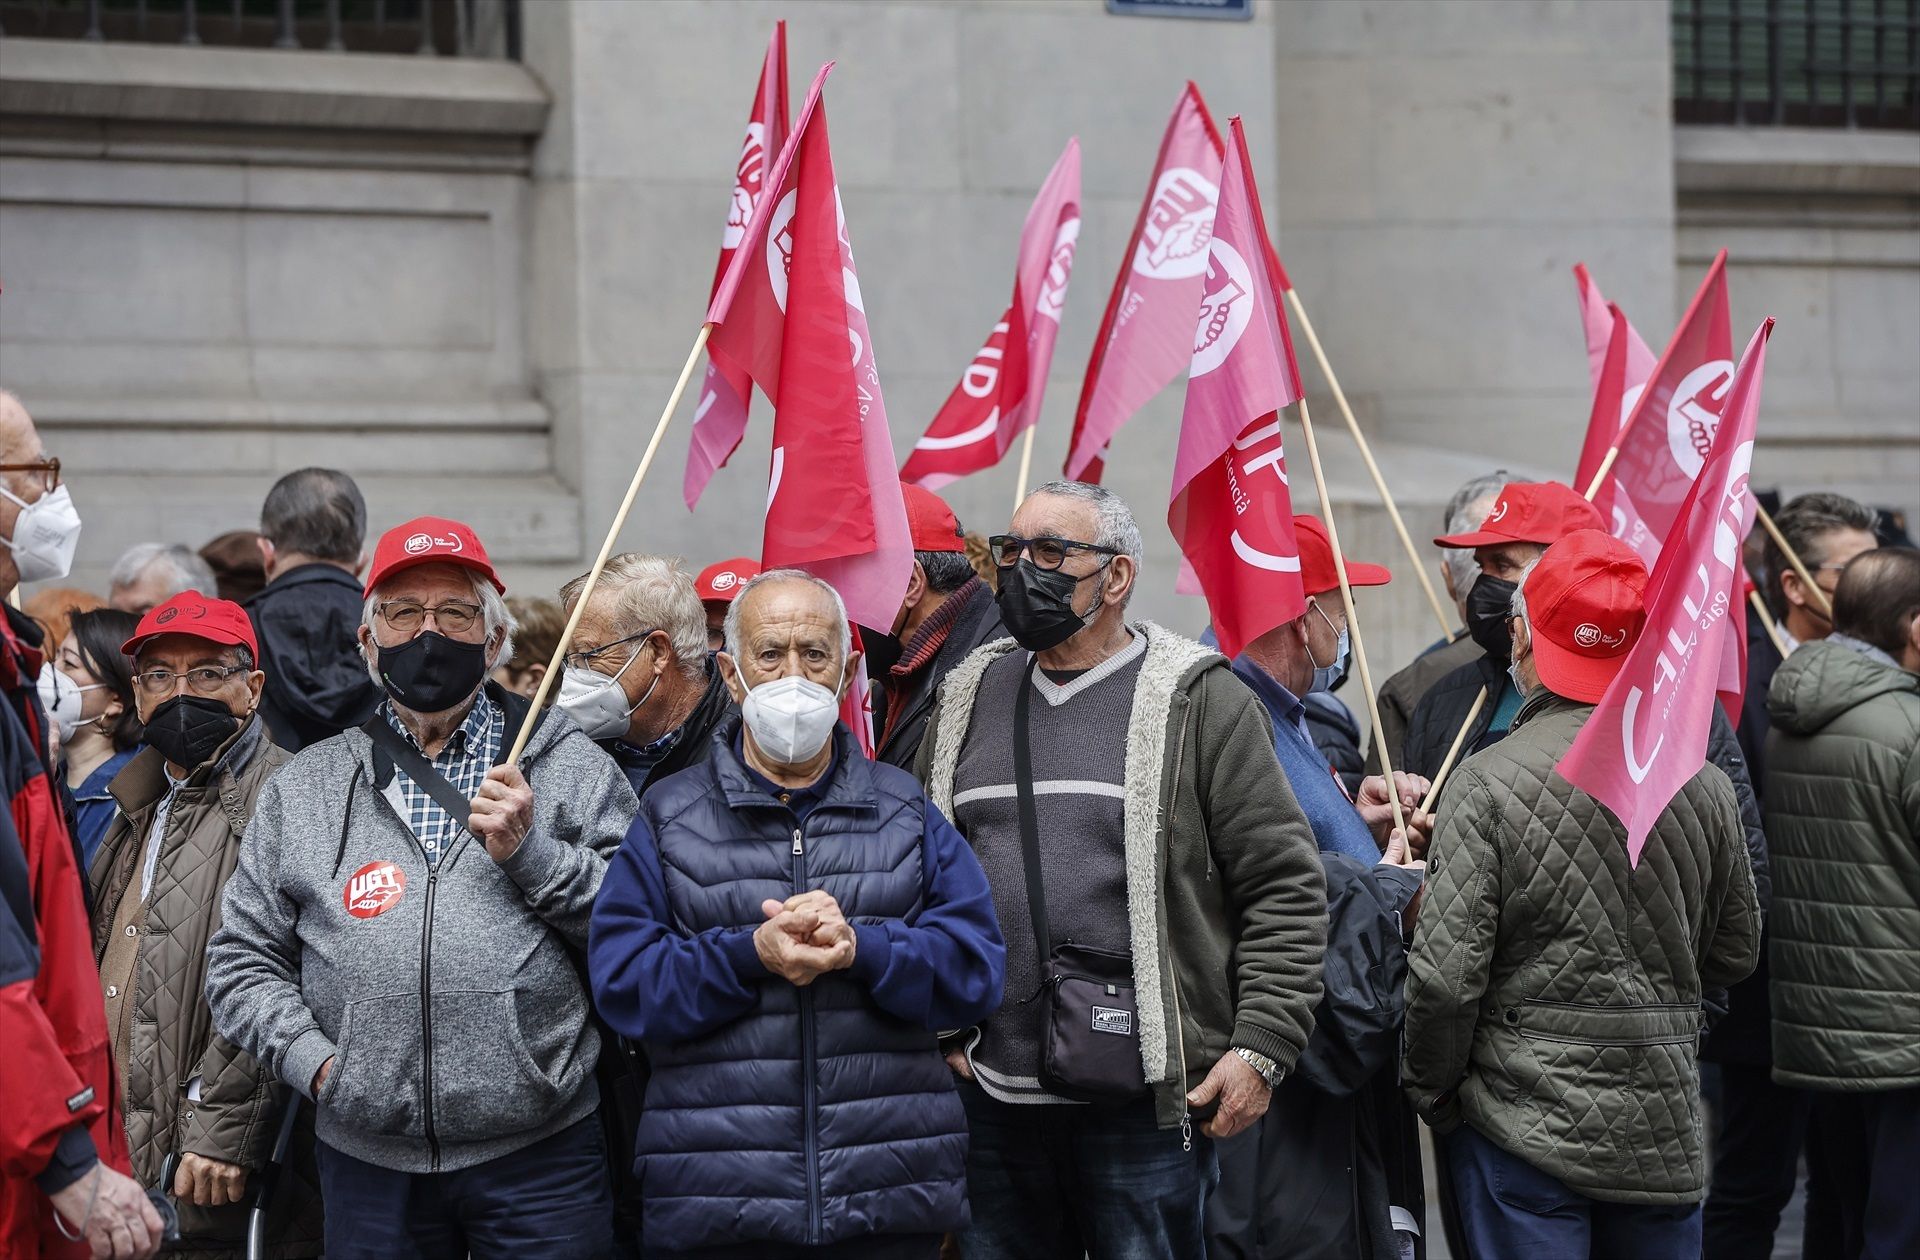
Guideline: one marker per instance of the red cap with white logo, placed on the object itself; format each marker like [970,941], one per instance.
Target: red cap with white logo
[1541,512]
[721,581]
[215,620]
[1586,604]
[430,540]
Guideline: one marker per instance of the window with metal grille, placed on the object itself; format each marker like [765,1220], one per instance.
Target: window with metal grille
[1797,63]
[447,28]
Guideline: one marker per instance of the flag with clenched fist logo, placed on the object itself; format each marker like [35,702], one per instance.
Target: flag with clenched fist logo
[720,417]
[1232,510]
[1142,345]
[1648,735]
[999,394]
[788,314]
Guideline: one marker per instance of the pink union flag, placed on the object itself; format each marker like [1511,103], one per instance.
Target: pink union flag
[1596,315]
[720,416]
[1143,344]
[1232,509]
[788,314]
[999,394]
[1648,735]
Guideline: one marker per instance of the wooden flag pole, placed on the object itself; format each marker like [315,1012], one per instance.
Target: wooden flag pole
[1766,619]
[1453,753]
[606,547]
[1026,466]
[1366,453]
[1606,466]
[1793,558]
[1353,620]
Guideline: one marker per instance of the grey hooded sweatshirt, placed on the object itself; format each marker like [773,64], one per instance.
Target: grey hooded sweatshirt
[457,1020]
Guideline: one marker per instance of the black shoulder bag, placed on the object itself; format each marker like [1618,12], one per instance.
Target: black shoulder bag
[1090,1021]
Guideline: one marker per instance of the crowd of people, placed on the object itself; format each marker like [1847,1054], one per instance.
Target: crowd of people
[320,936]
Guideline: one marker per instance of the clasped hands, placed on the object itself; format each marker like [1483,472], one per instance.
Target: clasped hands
[804,937]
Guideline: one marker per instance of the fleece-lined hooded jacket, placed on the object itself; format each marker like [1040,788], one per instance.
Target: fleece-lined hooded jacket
[457,1020]
[1226,898]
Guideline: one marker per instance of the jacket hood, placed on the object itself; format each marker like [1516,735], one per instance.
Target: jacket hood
[1821,681]
[308,621]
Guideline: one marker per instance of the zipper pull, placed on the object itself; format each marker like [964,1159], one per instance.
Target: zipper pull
[1186,1132]
[798,848]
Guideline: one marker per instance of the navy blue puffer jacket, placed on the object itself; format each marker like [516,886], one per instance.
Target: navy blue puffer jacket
[816,1116]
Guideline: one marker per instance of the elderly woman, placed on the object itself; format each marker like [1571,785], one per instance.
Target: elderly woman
[396,937]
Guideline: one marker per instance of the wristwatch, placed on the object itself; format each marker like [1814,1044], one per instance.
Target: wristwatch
[1268,1069]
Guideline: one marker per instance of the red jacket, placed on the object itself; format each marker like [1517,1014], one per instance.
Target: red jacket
[55,1070]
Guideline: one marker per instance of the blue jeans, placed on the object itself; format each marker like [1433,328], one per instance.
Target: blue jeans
[1058,1182]
[548,1200]
[1510,1208]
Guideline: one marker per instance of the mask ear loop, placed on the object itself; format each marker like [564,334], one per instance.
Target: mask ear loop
[1336,640]
[648,693]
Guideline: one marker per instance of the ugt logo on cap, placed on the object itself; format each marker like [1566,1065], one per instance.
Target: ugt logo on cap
[725,581]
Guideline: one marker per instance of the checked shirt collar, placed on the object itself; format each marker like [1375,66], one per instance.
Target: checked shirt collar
[469,752]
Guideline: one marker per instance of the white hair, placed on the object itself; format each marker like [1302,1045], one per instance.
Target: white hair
[654,593]
[493,615]
[787,575]
[1467,511]
[1518,606]
[189,571]
[1115,527]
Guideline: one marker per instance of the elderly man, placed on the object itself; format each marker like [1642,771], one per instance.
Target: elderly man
[148,574]
[62,1148]
[1554,991]
[717,585]
[785,928]
[638,678]
[396,937]
[189,1094]
[313,532]
[1164,906]
[1402,690]
[947,612]
[1843,815]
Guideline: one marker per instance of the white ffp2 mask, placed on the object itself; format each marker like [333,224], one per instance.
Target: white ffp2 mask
[791,718]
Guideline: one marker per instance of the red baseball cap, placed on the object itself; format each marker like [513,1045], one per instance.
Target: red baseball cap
[1541,512]
[215,620]
[1317,572]
[430,540]
[931,522]
[721,581]
[1586,604]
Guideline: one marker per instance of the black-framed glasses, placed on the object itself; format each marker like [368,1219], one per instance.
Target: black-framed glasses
[1047,552]
[203,680]
[408,615]
[49,470]
[584,659]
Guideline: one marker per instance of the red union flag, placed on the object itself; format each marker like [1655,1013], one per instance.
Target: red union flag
[1143,343]
[999,394]
[1597,315]
[788,314]
[720,417]
[1648,735]
[1231,510]
[1665,439]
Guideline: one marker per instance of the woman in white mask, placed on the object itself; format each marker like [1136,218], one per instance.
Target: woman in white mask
[87,691]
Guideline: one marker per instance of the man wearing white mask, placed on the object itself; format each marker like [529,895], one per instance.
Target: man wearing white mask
[638,677]
[785,928]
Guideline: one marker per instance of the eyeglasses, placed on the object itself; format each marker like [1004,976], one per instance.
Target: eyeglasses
[205,680]
[1048,553]
[408,615]
[49,470]
[584,659]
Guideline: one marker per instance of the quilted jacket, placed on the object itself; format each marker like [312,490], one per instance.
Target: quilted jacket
[1553,992]
[1843,807]
[173,1041]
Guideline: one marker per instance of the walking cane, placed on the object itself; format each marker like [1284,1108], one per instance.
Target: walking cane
[270,1180]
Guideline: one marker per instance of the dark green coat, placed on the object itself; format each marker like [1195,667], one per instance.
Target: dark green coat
[1843,820]
[1553,992]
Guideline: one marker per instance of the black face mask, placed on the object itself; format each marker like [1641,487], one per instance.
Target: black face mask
[1037,605]
[187,730]
[1489,609]
[431,673]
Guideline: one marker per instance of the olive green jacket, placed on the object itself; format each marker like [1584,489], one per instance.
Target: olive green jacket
[1843,819]
[1553,992]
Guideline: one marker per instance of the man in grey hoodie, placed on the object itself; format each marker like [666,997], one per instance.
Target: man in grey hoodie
[405,963]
